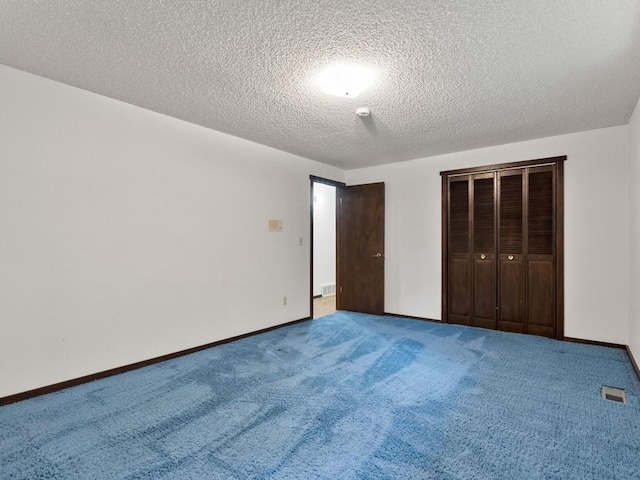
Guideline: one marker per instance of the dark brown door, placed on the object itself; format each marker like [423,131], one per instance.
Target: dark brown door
[484,245]
[459,267]
[361,249]
[511,306]
[541,283]
[503,247]
[471,269]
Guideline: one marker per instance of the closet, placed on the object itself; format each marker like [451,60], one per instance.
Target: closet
[502,241]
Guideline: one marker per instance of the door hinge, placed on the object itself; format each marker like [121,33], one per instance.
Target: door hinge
[340,289]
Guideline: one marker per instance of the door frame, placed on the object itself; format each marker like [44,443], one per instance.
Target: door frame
[558,223]
[314,179]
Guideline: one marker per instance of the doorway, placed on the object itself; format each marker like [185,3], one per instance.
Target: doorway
[347,247]
[323,254]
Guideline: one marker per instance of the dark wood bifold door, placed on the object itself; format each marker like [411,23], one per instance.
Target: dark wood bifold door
[459,252]
[502,247]
[472,250]
[483,251]
[511,306]
[541,263]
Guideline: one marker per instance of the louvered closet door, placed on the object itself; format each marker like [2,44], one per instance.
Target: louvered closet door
[484,245]
[511,245]
[459,288]
[503,247]
[541,233]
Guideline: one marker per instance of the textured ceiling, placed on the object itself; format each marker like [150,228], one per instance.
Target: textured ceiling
[452,75]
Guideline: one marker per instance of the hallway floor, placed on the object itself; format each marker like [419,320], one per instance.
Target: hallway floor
[324,306]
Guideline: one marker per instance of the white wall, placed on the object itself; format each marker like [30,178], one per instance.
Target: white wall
[634,233]
[324,237]
[126,234]
[596,227]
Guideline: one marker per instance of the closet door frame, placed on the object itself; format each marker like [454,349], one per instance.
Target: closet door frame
[558,164]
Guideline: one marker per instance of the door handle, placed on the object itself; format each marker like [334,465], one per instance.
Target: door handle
[510,257]
[377,255]
[483,256]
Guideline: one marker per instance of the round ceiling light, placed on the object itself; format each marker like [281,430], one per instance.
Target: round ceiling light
[345,79]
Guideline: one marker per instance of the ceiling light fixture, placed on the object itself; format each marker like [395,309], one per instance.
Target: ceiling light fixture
[345,79]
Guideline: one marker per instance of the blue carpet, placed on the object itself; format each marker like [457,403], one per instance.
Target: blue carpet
[347,396]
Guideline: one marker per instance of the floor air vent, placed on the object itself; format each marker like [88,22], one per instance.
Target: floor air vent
[328,289]
[614,394]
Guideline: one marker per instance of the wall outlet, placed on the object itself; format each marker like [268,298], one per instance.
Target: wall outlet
[284,300]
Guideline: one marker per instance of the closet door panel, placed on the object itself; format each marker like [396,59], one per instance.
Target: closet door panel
[541,258]
[484,244]
[512,304]
[459,252]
